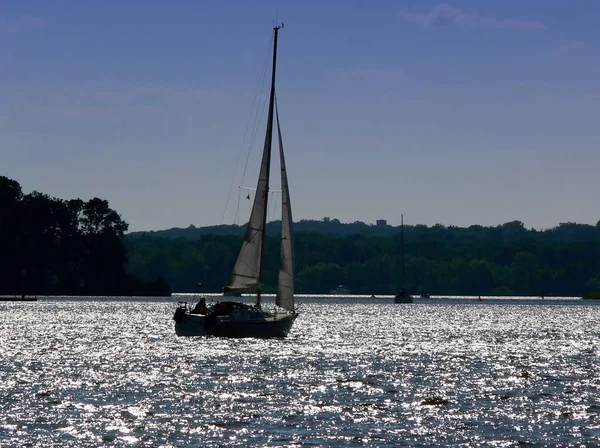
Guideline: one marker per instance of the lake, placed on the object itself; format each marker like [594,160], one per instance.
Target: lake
[354,371]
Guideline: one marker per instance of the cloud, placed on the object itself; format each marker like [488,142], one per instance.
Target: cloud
[21,23]
[565,49]
[446,15]
[377,74]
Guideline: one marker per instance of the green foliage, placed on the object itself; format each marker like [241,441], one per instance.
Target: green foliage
[55,246]
[592,295]
[78,247]
[505,260]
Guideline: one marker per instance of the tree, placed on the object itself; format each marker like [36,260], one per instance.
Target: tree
[525,273]
[48,245]
[97,217]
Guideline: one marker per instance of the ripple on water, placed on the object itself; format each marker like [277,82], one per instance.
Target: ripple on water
[89,372]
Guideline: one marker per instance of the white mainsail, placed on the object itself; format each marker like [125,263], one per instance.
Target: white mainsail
[285,285]
[246,275]
[247,271]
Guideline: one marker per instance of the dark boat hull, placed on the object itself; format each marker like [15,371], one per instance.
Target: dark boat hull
[196,325]
[403,298]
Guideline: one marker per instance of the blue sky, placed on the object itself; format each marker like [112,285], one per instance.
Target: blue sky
[465,112]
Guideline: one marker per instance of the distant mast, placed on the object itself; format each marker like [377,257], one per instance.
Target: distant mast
[402,246]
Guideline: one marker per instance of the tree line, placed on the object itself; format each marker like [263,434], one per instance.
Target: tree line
[54,246]
[503,260]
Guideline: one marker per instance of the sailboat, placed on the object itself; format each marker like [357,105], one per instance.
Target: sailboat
[402,296]
[237,319]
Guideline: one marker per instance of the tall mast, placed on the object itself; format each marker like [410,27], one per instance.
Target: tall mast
[268,144]
[402,245]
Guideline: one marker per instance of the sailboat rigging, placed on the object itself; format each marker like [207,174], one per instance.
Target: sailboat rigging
[236,319]
[402,296]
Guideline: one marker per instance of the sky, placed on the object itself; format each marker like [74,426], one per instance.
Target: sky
[460,113]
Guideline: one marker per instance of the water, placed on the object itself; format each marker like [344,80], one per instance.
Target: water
[353,372]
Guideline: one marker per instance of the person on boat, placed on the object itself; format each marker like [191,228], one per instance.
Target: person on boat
[200,307]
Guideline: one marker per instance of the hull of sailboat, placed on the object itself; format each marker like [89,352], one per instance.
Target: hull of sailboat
[403,299]
[270,326]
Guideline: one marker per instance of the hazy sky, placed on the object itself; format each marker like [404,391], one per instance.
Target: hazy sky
[466,112]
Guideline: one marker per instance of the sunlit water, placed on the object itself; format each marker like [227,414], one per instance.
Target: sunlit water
[90,372]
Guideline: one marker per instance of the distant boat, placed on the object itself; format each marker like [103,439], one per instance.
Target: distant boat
[340,290]
[402,296]
[425,296]
[236,319]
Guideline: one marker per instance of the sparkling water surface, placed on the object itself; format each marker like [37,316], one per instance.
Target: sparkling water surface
[352,372]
